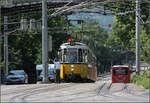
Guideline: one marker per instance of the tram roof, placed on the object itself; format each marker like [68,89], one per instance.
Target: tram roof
[74,45]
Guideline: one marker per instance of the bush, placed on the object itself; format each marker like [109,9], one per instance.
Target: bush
[142,79]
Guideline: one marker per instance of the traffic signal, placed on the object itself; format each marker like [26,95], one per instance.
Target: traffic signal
[109,25]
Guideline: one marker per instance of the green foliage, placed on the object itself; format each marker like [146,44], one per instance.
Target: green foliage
[25,48]
[93,34]
[124,29]
[142,80]
[56,26]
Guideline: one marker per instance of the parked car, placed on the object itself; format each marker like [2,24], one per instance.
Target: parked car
[16,76]
[51,75]
[39,69]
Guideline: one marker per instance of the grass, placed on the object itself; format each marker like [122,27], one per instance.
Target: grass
[143,79]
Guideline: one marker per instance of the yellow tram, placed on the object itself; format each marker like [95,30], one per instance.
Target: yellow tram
[77,62]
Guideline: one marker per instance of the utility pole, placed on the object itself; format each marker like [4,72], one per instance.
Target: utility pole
[0,49]
[5,46]
[82,30]
[137,36]
[44,41]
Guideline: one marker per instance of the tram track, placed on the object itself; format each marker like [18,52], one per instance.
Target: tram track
[23,96]
[120,89]
[101,90]
[26,89]
[57,88]
[104,89]
[126,89]
[26,92]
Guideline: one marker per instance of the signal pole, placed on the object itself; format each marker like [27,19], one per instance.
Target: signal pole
[44,41]
[5,46]
[137,36]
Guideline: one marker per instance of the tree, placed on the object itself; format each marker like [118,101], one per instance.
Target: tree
[25,47]
[124,28]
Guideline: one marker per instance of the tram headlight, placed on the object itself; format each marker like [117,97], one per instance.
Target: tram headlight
[72,66]
[72,69]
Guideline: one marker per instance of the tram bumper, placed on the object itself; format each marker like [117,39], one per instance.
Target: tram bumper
[72,76]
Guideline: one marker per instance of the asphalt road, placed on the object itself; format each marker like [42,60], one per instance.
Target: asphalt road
[100,91]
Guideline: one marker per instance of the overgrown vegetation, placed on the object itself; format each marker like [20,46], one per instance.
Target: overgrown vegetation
[143,79]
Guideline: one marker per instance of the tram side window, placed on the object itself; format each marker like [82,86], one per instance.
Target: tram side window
[85,56]
[89,57]
[64,55]
[65,51]
[120,71]
[60,54]
[80,55]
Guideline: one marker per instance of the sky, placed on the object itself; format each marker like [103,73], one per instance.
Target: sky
[103,20]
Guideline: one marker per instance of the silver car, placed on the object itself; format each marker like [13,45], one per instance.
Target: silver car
[51,75]
[16,76]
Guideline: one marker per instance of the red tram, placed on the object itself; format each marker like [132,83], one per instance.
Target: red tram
[120,74]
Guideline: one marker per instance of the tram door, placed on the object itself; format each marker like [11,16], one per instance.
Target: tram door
[120,74]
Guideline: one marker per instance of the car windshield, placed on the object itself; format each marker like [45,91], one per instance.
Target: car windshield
[16,73]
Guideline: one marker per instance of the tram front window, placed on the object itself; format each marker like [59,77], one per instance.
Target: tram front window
[71,57]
